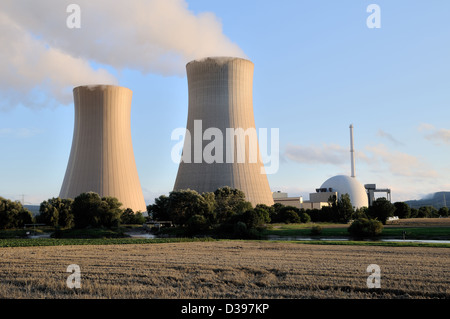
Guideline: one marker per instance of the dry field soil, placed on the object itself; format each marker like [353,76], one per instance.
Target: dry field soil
[224,269]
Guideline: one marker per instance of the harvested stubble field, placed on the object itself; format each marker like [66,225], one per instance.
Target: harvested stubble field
[224,269]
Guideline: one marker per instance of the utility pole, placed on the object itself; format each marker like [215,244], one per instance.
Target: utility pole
[445,202]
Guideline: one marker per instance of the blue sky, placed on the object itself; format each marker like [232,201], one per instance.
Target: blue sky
[318,68]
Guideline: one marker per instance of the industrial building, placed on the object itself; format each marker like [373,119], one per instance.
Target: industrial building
[221,98]
[101,158]
[360,195]
[316,200]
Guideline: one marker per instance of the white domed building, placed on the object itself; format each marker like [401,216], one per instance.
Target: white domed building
[342,184]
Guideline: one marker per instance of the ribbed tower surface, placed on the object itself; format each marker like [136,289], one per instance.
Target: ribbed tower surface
[101,158]
[221,96]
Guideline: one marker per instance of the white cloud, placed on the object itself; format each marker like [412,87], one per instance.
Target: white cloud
[325,154]
[22,132]
[425,127]
[34,75]
[378,158]
[399,163]
[44,59]
[435,135]
[388,136]
[439,136]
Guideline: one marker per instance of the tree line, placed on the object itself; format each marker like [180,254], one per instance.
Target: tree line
[85,210]
[224,212]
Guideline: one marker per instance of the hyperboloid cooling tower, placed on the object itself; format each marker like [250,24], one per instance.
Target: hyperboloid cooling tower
[220,104]
[102,159]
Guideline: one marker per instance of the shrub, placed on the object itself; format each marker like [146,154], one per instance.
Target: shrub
[365,228]
[252,218]
[160,209]
[288,215]
[129,217]
[197,224]
[316,230]
[240,230]
[304,218]
[89,209]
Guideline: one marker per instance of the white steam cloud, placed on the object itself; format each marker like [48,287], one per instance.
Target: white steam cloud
[43,59]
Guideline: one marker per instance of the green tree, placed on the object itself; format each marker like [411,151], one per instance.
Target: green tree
[402,210]
[160,209]
[266,211]
[197,224]
[289,214]
[210,213]
[326,214]
[184,204]
[427,212]
[342,209]
[13,214]
[275,210]
[85,210]
[56,212]
[89,209]
[381,209]
[443,211]
[129,217]
[252,218]
[304,217]
[360,213]
[110,212]
[65,219]
[230,201]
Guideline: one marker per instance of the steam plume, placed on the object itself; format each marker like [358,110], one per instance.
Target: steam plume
[43,59]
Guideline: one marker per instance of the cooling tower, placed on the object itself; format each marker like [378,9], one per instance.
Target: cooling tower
[102,159]
[221,101]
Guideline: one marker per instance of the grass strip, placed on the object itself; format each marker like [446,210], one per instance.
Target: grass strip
[27,242]
[364,243]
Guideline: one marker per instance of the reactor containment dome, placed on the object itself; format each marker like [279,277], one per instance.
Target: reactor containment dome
[343,184]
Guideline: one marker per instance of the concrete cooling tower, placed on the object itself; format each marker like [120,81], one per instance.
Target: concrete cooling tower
[221,101]
[102,159]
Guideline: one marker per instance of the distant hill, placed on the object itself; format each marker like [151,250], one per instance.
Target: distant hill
[437,200]
[34,209]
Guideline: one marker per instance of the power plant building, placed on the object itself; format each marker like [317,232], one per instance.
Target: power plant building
[335,186]
[101,158]
[223,149]
[316,200]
